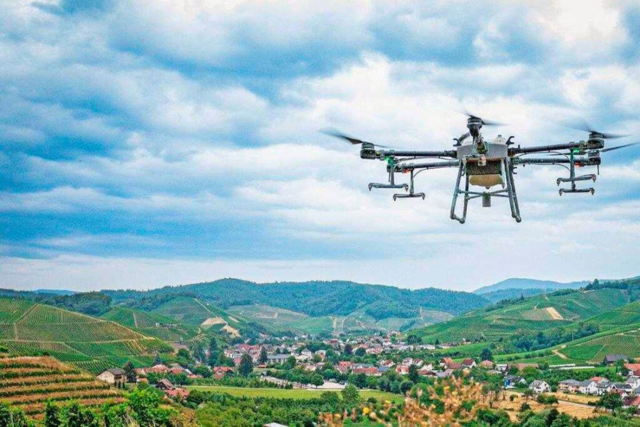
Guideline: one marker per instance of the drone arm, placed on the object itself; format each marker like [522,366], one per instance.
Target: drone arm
[591,145]
[418,154]
[405,167]
[550,161]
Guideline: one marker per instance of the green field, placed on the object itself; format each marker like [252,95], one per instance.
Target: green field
[534,314]
[192,311]
[358,322]
[152,324]
[28,328]
[291,393]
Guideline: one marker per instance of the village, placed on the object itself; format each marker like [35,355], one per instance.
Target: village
[377,362]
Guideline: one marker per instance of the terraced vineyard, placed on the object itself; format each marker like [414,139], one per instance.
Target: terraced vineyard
[28,382]
[32,329]
[194,312]
[533,314]
[152,324]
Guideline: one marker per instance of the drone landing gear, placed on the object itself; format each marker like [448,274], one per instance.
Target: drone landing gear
[573,179]
[391,184]
[411,194]
[374,185]
[509,192]
[577,190]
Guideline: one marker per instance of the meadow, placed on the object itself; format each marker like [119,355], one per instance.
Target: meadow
[291,393]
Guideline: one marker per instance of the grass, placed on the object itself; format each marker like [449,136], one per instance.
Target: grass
[531,315]
[291,393]
[151,324]
[31,329]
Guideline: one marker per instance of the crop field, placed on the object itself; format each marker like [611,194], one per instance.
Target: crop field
[71,337]
[28,382]
[292,393]
[151,324]
[595,350]
[533,314]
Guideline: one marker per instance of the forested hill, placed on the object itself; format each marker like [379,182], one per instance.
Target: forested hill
[318,298]
[519,283]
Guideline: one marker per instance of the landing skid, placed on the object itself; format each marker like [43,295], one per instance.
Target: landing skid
[509,192]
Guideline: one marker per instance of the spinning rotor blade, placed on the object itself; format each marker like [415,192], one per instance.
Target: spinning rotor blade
[582,125]
[618,147]
[337,134]
[484,121]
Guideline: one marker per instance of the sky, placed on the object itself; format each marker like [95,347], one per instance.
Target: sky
[145,144]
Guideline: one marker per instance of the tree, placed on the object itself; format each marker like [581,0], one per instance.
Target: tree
[77,416]
[361,352]
[52,415]
[611,401]
[291,362]
[198,351]
[263,356]
[414,375]
[348,349]
[214,353]
[406,386]
[246,365]
[350,395]
[414,339]
[157,360]
[486,354]
[317,380]
[130,372]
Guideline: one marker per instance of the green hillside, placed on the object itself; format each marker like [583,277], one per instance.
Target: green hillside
[320,298]
[29,328]
[192,311]
[152,324]
[533,314]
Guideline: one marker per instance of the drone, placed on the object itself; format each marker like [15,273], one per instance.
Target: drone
[486,163]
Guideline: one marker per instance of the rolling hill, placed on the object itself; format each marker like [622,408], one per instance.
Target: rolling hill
[29,328]
[152,324]
[536,313]
[519,284]
[330,307]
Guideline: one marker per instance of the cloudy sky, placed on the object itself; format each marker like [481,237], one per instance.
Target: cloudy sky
[175,141]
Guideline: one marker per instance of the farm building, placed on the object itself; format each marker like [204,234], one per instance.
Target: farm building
[112,376]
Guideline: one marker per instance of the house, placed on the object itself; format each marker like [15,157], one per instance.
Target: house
[177,393]
[159,369]
[603,387]
[112,376]
[274,425]
[539,386]
[164,384]
[588,387]
[513,381]
[402,369]
[279,359]
[631,401]
[610,359]
[487,364]
[446,374]
[569,386]
[468,363]
[446,361]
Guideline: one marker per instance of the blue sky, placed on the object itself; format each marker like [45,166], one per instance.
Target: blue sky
[155,143]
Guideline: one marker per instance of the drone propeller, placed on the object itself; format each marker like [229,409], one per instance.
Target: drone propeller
[484,121]
[619,146]
[337,134]
[586,127]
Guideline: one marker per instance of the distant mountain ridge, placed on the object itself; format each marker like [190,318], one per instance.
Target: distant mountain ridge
[523,283]
[319,298]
